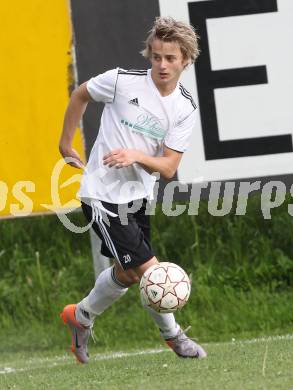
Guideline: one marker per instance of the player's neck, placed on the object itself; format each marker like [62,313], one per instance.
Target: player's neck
[165,89]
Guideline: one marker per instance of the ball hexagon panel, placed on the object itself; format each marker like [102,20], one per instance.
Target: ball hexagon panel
[155,293]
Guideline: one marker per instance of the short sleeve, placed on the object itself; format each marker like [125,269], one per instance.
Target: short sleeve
[102,87]
[178,138]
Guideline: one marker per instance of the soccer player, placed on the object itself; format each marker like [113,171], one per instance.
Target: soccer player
[145,127]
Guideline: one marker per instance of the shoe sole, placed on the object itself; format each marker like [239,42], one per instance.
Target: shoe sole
[68,315]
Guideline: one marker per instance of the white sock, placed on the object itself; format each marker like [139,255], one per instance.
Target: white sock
[165,321]
[106,291]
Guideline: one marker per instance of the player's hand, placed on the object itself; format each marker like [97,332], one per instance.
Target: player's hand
[121,158]
[71,153]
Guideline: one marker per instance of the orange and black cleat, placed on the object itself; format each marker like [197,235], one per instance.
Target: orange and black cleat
[79,334]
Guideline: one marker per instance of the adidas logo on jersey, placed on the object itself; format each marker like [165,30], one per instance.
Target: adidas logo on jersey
[134,101]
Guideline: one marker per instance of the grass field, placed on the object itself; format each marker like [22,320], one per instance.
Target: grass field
[264,363]
[242,272]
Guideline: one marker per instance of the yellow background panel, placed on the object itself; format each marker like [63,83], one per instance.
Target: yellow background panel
[35,44]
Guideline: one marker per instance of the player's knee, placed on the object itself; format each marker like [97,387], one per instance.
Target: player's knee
[132,276]
[128,277]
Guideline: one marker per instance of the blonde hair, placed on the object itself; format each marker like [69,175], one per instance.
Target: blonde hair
[169,30]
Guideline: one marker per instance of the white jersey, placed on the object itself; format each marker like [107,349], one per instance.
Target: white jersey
[135,116]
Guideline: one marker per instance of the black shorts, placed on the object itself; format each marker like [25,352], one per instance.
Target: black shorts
[125,237]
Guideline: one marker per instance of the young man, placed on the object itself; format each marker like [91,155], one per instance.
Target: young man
[145,127]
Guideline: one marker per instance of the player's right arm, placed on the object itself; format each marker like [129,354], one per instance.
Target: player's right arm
[74,112]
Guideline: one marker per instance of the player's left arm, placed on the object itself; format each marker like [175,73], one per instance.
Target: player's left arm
[175,143]
[166,164]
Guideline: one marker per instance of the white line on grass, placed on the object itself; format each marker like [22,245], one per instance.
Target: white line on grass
[117,355]
[9,370]
[37,363]
[255,340]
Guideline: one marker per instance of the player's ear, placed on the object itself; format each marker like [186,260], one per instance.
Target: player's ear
[186,62]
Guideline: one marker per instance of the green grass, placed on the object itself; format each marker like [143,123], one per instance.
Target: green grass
[256,364]
[241,266]
[242,272]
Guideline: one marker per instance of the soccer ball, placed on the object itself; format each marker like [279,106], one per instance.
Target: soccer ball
[165,287]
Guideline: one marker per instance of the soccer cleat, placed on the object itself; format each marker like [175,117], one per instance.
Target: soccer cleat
[79,334]
[184,347]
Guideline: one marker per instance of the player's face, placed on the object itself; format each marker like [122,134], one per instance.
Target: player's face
[167,63]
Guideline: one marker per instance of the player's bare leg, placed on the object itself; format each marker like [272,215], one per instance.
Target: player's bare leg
[132,276]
